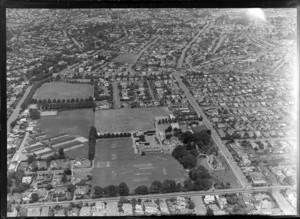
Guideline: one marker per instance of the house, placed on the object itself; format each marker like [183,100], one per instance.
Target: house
[85,211]
[74,212]
[27,179]
[81,190]
[127,209]
[33,212]
[139,209]
[13,213]
[60,165]
[60,213]
[209,199]
[45,211]
[82,163]
[163,207]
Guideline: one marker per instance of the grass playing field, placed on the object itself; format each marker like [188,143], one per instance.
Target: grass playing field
[115,162]
[74,122]
[126,58]
[63,90]
[127,119]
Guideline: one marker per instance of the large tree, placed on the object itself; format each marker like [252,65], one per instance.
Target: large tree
[156,187]
[98,191]
[168,186]
[112,191]
[34,197]
[199,172]
[141,190]
[123,189]
[92,142]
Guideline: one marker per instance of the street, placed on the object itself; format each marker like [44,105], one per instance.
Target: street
[16,111]
[214,134]
[169,195]
[18,153]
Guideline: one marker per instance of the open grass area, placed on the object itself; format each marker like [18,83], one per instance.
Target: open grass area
[126,58]
[127,119]
[63,90]
[115,162]
[225,176]
[74,122]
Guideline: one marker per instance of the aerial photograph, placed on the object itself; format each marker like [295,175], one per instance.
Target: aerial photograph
[151,112]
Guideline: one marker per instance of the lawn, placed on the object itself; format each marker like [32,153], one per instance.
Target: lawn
[63,90]
[224,176]
[115,162]
[127,119]
[126,58]
[74,122]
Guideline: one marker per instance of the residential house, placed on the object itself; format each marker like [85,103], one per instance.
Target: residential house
[45,211]
[85,211]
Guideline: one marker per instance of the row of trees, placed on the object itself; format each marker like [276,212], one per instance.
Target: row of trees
[114,135]
[199,180]
[87,104]
[54,100]
[35,86]
[111,191]
[92,143]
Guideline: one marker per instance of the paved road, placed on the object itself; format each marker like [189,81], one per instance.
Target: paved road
[129,68]
[219,43]
[283,203]
[150,90]
[16,111]
[21,148]
[117,103]
[169,195]
[75,41]
[227,155]
[180,62]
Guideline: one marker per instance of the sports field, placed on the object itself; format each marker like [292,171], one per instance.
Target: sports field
[128,119]
[74,122]
[63,90]
[115,162]
[126,58]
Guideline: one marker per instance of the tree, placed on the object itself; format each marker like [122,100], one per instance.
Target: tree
[34,197]
[209,212]
[179,152]
[79,204]
[123,189]
[112,191]
[61,153]
[189,161]
[203,184]
[141,190]
[133,201]
[64,178]
[71,188]
[156,187]
[31,158]
[194,152]
[35,114]
[98,191]
[199,173]
[168,186]
[49,187]
[191,204]
[68,172]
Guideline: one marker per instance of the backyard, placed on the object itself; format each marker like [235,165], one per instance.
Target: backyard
[63,90]
[127,119]
[115,161]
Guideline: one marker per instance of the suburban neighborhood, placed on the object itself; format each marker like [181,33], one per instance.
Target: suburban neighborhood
[131,112]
